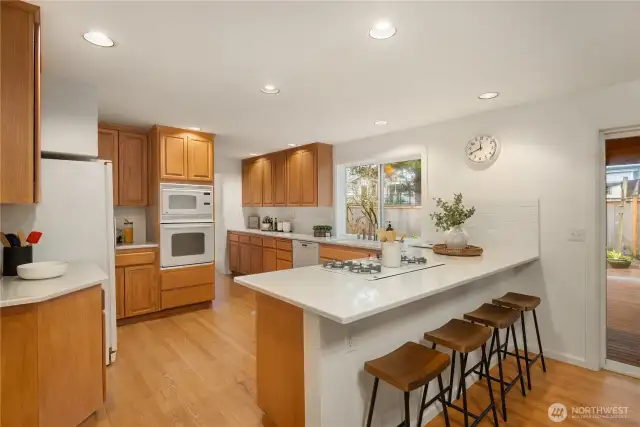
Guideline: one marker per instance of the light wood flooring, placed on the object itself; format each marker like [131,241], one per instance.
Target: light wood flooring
[198,370]
[623,315]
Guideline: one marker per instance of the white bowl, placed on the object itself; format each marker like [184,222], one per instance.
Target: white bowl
[42,270]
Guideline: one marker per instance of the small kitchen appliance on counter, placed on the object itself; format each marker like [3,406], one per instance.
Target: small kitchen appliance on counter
[253,222]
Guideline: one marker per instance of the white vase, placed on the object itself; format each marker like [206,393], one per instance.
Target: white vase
[456,238]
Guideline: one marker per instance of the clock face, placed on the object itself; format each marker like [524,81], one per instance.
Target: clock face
[482,149]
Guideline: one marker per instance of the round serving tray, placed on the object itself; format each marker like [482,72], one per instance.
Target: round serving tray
[468,251]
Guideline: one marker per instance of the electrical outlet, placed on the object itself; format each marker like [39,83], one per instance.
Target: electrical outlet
[577,235]
[350,344]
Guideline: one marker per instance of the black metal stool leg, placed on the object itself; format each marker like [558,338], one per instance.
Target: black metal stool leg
[502,396]
[517,351]
[407,417]
[506,346]
[445,411]
[373,401]
[526,350]
[535,321]
[493,403]
[422,402]
[463,369]
[451,375]
[461,376]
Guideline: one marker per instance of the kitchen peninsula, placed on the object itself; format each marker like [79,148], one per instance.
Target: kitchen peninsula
[315,328]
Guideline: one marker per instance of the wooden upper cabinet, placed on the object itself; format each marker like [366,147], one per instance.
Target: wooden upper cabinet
[132,169]
[246,182]
[199,159]
[173,157]
[301,176]
[108,150]
[267,181]
[279,166]
[20,102]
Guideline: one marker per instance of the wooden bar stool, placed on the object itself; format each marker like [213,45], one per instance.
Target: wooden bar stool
[524,303]
[407,368]
[499,318]
[464,337]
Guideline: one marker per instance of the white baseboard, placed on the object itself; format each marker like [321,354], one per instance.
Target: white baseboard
[622,368]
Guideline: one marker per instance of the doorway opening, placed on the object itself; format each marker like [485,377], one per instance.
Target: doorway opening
[623,249]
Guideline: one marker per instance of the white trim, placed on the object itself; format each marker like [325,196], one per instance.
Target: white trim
[596,295]
[622,368]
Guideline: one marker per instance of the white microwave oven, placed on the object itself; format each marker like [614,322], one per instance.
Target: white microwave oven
[186,244]
[186,203]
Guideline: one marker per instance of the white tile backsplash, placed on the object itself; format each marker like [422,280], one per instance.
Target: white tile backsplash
[302,218]
[139,218]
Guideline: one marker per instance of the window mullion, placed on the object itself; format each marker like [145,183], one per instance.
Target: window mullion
[381,196]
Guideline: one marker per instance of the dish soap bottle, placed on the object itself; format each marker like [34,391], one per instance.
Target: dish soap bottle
[389,227]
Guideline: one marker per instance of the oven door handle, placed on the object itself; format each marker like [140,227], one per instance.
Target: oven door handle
[168,226]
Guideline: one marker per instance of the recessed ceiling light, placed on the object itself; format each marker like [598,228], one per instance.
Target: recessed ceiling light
[98,39]
[382,30]
[488,95]
[193,128]
[270,89]
[254,154]
[292,145]
[380,122]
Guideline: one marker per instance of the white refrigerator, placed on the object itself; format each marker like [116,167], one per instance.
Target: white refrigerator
[75,215]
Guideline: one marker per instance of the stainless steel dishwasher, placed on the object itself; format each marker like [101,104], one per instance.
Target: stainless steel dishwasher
[305,253]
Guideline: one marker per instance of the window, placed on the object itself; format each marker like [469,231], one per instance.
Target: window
[615,177]
[377,194]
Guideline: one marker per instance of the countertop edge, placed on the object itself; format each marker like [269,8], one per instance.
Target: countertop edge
[365,314]
[123,247]
[309,238]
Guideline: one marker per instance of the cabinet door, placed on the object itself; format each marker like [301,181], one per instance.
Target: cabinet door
[108,150]
[234,257]
[173,157]
[256,259]
[19,139]
[279,166]
[267,181]
[256,183]
[245,258]
[282,264]
[132,169]
[120,311]
[294,176]
[308,178]
[269,262]
[199,159]
[246,182]
[140,290]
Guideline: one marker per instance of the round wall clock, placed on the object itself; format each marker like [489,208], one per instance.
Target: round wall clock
[483,149]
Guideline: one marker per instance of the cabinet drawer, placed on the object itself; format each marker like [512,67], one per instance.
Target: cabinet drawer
[185,296]
[233,237]
[268,242]
[284,245]
[243,238]
[285,255]
[256,241]
[185,277]
[135,258]
[344,254]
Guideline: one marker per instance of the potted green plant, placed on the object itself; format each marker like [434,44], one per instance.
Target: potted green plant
[322,230]
[617,259]
[451,219]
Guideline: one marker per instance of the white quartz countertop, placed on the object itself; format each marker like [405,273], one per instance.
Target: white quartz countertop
[136,245]
[341,241]
[346,298]
[79,275]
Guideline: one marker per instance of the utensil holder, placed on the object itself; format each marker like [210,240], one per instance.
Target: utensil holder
[391,254]
[14,256]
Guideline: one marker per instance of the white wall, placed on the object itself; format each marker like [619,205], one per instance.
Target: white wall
[302,219]
[227,183]
[69,116]
[550,150]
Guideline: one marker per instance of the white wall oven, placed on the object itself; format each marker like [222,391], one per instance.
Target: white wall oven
[186,244]
[186,203]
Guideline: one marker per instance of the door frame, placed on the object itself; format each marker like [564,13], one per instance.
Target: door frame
[601,242]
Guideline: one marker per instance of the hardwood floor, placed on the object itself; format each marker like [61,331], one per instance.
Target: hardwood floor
[198,370]
[623,315]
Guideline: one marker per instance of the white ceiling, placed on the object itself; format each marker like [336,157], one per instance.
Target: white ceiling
[203,63]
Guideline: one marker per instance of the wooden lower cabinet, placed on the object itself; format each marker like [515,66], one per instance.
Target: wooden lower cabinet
[185,286]
[269,260]
[282,264]
[141,290]
[256,259]
[344,253]
[120,293]
[234,256]
[245,258]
